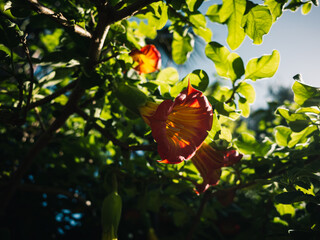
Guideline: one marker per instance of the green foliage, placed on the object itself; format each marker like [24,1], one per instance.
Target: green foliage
[70,122]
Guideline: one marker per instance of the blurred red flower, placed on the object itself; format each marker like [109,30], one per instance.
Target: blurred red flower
[148,59]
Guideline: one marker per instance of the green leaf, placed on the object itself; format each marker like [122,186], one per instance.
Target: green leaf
[314,110]
[263,67]
[159,17]
[235,31]
[51,41]
[194,4]
[282,135]
[228,65]
[182,45]
[131,97]
[165,79]
[306,8]
[111,214]
[225,134]
[224,109]
[275,7]
[244,106]
[297,121]
[284,209]
[199,26]
[213,13]
[247,91]
[197,19]
[216,127]
[247,144]
[168,75]
[219,55]
[235,67]
[198,78]
[148,30]
[301,137]
[258,22]
[306,95]
[203,32]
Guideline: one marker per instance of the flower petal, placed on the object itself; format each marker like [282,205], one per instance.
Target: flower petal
[181,126]
[148,59]
[209,162]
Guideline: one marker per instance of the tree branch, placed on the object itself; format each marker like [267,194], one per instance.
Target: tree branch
[132,9]
[42,142]
[58,17]
[52,96]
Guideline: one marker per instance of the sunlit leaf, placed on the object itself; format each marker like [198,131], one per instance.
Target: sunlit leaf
[219,55]
[282,135]
[306,95]
[182,45]
[258,22]
[247,91]
[235,31]
[244,106]
[301,137]
[263,67]
[247,144]
[198,78]
[275,8]
[194,4]
[213,13]
[306,8]
[284,209]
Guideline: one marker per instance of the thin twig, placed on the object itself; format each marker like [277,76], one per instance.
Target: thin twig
[58,17]
[43,127]
[235,88]
[27,52]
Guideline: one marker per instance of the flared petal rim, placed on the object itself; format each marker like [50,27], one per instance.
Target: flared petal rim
[180,126]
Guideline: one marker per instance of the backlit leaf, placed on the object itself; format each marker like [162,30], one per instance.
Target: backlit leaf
[282,135]
[182,45]
[275,8]
[306,95]
[235,31]
[247,91]
[258,22]
[263,67]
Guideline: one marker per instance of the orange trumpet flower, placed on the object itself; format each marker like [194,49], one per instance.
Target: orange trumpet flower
[179,127]
[209,162]
[148,59]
